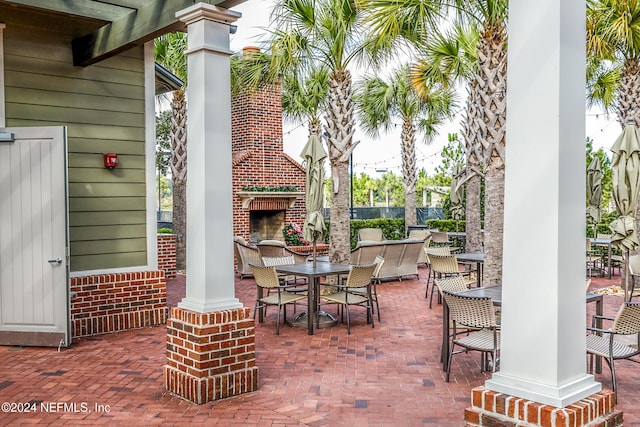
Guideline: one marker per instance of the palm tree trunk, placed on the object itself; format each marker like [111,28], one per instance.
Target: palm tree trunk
[340,129]
[179,174]
[472,130]
[494,221]
[409,173]
[492,74]
[472,213]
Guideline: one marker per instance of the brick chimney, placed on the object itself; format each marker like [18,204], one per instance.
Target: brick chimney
[259,160]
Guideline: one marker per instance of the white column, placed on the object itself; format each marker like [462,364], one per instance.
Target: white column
[210,280]
[544,311]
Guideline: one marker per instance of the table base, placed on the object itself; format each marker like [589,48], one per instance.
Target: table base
[325,320]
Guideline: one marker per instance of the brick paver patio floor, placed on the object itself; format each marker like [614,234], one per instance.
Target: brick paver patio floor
[387,376]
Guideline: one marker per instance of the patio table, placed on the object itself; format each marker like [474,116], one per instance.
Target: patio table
[478,258]
[313,275]
[495,293]
[601,241]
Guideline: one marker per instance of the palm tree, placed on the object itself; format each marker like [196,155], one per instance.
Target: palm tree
[304,98]
[490,77]
[327,34]
[451,57]
[613,35]
[489,83]
[379,102]
[169,52]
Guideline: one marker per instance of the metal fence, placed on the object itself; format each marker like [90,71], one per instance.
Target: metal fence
[423,214]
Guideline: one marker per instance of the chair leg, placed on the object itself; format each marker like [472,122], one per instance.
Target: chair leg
[278,321]
[346,307]
[449,357]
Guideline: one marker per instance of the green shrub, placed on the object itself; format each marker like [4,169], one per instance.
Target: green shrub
[165,231]
[446,225]
[392,228]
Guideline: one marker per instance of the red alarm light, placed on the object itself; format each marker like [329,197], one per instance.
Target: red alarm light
[110,160]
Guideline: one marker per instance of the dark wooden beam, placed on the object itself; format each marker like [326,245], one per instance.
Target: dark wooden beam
[145,24]
[88,9]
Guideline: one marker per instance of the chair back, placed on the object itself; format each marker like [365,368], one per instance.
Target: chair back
[278,260]
[444,264]
[439,237]
[419,234]
[376,272]
[471,311]
[245,255]
[271,248]
[437,250]
[627,320]
[634,264]
[360,276]
[370,234]
[452,284]
[266,277]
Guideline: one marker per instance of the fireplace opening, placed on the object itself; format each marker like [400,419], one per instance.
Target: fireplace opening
[266,225]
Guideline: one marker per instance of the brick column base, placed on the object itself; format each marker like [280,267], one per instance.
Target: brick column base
[490,408]
[210,356]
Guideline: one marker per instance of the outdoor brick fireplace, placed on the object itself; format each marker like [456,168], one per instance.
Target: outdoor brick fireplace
[268,185]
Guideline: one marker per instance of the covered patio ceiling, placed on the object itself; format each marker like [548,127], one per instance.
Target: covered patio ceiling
[112,26]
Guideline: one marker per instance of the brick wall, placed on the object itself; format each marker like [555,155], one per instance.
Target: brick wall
[258,154]
[167,255]
[115,302]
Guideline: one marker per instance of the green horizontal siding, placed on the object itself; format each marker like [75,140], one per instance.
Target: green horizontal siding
[109,247]
[103,108]
[122,260]
[79,234]
[97,204]
[95,160]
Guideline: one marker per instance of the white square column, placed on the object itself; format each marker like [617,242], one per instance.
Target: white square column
[544,310]
[210,279]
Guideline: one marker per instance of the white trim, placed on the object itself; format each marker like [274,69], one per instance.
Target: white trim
[150,154]
[2,108]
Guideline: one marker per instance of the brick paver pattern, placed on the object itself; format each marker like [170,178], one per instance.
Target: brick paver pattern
[387,376]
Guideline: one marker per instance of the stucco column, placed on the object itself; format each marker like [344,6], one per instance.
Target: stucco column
[544,310]
[210,280]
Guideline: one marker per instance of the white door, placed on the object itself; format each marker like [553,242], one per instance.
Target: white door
[34,278]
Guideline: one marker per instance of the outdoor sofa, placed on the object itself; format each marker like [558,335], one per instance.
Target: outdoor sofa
[400,256]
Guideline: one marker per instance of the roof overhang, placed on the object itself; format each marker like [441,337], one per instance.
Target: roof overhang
[117,25]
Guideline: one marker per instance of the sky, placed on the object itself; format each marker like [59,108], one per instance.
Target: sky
[375,156]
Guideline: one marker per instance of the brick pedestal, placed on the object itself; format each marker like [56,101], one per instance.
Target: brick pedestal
[167,254]
[210,356]
[490,408]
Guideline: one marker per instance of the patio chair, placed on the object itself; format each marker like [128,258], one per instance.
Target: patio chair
[474,313]
[245,255]
[287,280]
[440,238]
[276,248]
[634,269]
[370,234]
[359,277]
[375,280]
[424,235]
[267,278]
[443,266]
[594,261]
[606,343]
